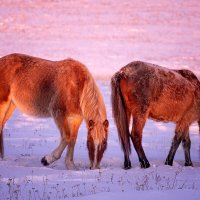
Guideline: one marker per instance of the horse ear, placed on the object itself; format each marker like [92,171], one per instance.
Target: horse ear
[91,124]
[106,123]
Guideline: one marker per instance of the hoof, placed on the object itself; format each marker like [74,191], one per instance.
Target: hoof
[70,166]
[167,162]
[127,165]
[93,168]
[144,164]
[187,164]
[44,161]
[1,156]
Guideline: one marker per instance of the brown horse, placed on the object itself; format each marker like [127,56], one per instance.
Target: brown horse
[64,90]
[145,91]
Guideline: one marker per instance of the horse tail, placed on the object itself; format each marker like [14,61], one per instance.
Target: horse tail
[119,113]
[1,144]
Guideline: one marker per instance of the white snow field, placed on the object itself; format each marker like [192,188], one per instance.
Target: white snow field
[27,140]
[105,35]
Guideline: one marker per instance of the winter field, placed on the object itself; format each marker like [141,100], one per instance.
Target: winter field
[104,35]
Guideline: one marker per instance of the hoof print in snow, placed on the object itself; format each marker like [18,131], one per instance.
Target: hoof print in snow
[44,161]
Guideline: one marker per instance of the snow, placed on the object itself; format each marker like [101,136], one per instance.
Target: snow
[104,35]
[27,140]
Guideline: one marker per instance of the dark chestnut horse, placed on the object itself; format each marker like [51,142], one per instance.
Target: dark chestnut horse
[143,91]
[64,90]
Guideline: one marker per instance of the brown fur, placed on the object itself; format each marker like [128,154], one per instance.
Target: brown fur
[150,91]
[192,78]
[64,90]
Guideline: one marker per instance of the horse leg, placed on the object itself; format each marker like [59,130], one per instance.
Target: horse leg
[127,162]
[199,126]
[136,136]
[55,155]
[74,124]
[61,122]
[174,146]
[66,128]
[186,142]
[9,112]
[6,110]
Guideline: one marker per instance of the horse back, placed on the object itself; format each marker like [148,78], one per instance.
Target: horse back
[162,93]
[37,85]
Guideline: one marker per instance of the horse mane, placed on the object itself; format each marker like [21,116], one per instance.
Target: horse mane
[189,75]
[91,102]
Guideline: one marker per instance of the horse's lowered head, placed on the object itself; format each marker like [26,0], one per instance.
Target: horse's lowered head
[97,141]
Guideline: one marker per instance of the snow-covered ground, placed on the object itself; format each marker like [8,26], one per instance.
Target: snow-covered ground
[104,35]
[27,140]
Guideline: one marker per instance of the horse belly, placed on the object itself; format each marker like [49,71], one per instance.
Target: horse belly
[30,99]
[164,116]
[167,111]
[31,107]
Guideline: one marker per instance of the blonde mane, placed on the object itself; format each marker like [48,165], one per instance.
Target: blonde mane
[91,102]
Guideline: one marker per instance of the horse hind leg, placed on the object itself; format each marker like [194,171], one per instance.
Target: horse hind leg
[9,112]
[136,136]
[6,110]
[127,162]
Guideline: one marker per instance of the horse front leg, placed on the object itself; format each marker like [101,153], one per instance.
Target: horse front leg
[68,127]
[127,162]
[174,146]
[60,120]
[186,142]
[55,155]
[186,147]
[74,124]
[136,136]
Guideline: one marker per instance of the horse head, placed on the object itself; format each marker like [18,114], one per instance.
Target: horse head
[97,141]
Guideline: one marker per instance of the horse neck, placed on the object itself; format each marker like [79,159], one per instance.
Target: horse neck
[91,102]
